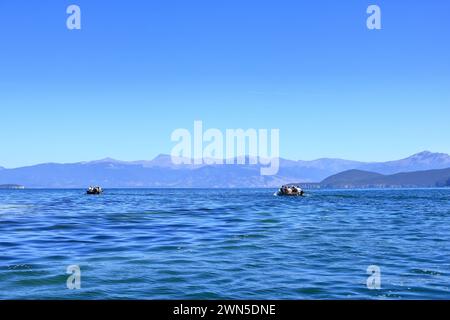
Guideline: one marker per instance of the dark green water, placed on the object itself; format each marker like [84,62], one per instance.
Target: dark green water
[198,244]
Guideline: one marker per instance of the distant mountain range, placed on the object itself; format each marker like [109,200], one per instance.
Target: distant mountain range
[366,179]
[161,172]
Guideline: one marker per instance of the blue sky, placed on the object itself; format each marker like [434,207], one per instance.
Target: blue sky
[137,70]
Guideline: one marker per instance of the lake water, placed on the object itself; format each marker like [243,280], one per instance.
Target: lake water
[224,244]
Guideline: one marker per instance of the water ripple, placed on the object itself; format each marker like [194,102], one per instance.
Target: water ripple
[225,244]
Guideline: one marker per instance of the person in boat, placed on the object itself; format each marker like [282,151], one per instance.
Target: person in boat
[291,190]
[94,190]
[298,190]
[286,190]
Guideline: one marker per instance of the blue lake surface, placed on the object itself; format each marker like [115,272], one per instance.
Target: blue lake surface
[224,244]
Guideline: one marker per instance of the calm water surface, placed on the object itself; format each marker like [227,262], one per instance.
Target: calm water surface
[199,244]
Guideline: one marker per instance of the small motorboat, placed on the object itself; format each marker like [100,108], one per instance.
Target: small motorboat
[94,190]
[290,191]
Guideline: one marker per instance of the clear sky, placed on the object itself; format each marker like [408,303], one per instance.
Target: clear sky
[137,70]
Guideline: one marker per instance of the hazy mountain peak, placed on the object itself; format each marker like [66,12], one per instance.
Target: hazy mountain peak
[161,156]
[104,160]
[429,155]
[425,160]
[162,160]
[423,153]
[108,159]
